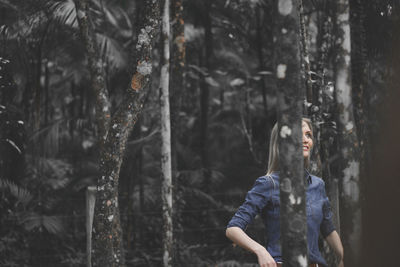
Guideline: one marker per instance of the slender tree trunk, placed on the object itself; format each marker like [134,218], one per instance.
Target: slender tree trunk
[359,63]
[350,184]
[46,93]
[205,90]
[177,94]
[304,54]
[107,233]
[325,114]
[312,96]
[290,92]
[72,111]
[38,87]
[166,165]
[327,107]
[96,69]
[178,57]
[360,94]
[380,211]
[260,54]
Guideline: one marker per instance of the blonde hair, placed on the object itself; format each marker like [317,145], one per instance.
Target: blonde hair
[273,157]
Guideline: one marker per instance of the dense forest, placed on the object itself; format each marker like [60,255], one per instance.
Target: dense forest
[162,112]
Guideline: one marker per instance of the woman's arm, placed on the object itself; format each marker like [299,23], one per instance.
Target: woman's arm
[239,237]
[335,243]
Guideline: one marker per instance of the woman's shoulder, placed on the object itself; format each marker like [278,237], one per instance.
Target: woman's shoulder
[317,180]
[263,179]
[267,180]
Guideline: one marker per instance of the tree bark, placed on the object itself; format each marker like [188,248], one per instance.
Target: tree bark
[325,100]
[313,104]
[205,90]
[96,69]
[290,92]
[304,54]
[350,163]
[166,164]
[107,233]
[177,96]
[178,55]
[260,54]
[359,63]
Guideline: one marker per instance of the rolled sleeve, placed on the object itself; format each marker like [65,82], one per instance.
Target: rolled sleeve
[327,226]
[256,199]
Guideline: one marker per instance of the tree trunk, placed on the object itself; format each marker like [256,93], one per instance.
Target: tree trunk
[260,54]
[107,233]
[312,96]
[46,93]
[359,63]
[205,90]
[350,162]
[96,69]
[177,94]
[380,217]
[178,55]
[304,54]
[166,166]
[325,99]
[290,92]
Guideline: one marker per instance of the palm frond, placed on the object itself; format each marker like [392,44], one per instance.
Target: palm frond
[51,224]
[58,170]
[48,137]
[112,51]
[7,4]
[21,194]
[65,13]
[27,26]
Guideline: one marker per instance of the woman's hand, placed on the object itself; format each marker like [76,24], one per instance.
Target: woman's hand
[242,239]
[264,258]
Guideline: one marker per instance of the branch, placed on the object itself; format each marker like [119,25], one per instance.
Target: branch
[129,110]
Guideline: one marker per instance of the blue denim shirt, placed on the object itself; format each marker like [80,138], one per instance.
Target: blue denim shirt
[263,199]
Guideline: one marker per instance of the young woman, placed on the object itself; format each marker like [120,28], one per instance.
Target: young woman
[263,199]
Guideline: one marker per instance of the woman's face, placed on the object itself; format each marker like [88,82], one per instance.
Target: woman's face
[307,140]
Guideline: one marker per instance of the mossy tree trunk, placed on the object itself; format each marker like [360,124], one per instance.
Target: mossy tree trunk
[290,99]
[166,164]
[114,131]
[96,68]
[350,207]
[178,95]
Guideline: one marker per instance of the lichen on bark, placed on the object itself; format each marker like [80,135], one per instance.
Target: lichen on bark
[107,233]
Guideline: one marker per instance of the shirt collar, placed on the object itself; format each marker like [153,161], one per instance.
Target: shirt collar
[307,176]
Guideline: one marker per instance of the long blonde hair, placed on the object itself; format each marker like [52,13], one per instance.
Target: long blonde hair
[273,157]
